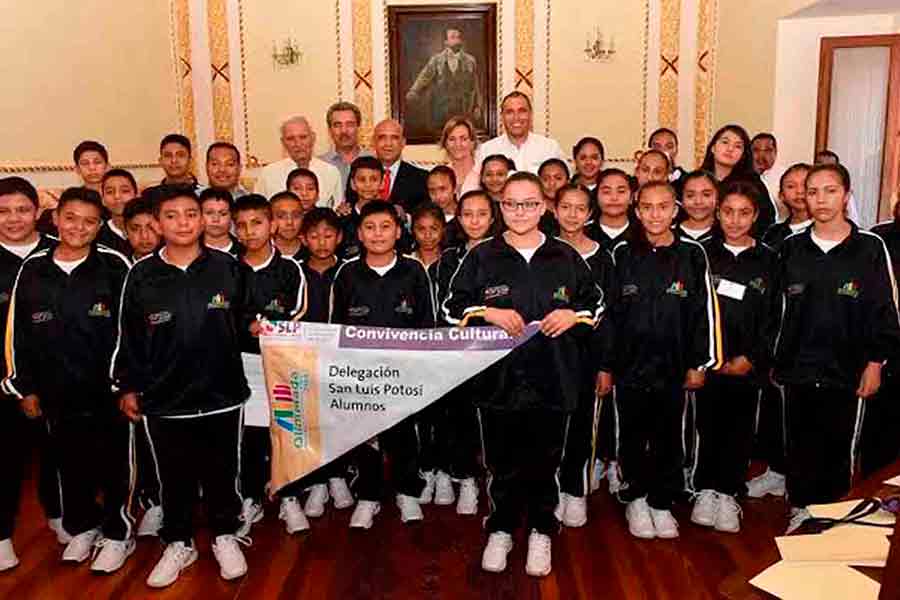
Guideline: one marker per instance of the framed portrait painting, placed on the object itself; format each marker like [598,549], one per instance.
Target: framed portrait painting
[443,63]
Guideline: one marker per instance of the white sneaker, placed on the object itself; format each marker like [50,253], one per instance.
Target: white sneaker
[575,514]
[443,490]
[81,545]
[251,513]
[798,517]
[427,493]
[614,477]
[597,474]
[110,555]
[539,561]
[728,517]
[493,559]
[56,526]
[467,503]
[706,506]
[176,557]
[315,502]
[340,493]
[8,558]
[410,510]
[292,515]
[664,523]
[769,482]
[560,511]
[640,524]
[227,551]
[364,514]
[151,522]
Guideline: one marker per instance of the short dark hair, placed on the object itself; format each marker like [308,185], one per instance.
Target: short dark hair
[252,202]
[378,207]
[741,188]
[661,131]
[216,145]
[317,215]
[589,140]
[660,153]
[550,162]
[828,153]
[166,193]
[285,195]
[89,146]
[615,172]
[840,170]
[510,164]
[119,173]
[142,205]
[176,138]
[516,94]
[341,107]
[652,185]
[790,170]
[446,172]
[573,188]
[210,194]
[19,185]
[701,174]
[765,136]
[301,172]
[365,162]
[81,194]
[428,209]
[520,176]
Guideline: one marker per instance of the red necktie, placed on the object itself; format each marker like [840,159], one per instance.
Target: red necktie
[386,185]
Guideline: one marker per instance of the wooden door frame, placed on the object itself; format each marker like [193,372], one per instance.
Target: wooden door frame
[890,167]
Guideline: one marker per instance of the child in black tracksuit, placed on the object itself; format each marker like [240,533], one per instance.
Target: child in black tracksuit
[510,280]
[384,289]
[727,404]
[838,327]
[178,368]
[60,337]
[667,336]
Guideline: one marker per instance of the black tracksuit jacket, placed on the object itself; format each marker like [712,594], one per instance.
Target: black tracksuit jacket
[109,238]
[776,234]
[181,332]
[277,292]
[890,233]
[596,233]
[318,292]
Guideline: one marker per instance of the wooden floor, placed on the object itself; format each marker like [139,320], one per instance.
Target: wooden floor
[437,559]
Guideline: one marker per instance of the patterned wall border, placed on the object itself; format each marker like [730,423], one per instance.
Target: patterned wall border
[524,71]
[363,84]
[669,46]
[707,31]
[223,121]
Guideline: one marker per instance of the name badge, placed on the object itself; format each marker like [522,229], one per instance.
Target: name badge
[730,289]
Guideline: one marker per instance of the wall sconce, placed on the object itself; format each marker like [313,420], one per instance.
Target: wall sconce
[287,55]
[598,49]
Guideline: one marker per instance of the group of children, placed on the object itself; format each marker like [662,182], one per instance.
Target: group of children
[669,310]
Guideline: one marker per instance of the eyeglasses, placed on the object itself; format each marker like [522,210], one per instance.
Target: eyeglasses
[510,206]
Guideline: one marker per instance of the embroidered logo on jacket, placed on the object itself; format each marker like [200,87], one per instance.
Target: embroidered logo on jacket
[357,311]
[758,284]
[405,308]
[677,289]
[158,318]
[274,306]
[630,289]
[219,301]
[561,294]
[497,291]
[851,289]
[795,289]
[99,310]
[42,316]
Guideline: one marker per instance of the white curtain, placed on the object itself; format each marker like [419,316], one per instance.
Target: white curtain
[856,121]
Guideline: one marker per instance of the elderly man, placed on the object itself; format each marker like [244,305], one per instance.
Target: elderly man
[526,148]
[343,120]
[223,169]
[299,140]
[404,184]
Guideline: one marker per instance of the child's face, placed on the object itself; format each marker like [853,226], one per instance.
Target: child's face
[367,185]
[180,221]
[614,196]
[17,218]
[728,149]
[117,191]
[91,167]
[665,142]
[826,197]
[656,210]
[699,198]
[428,233]
[573,210]
[494,177]
[143,234]
[476,217]
[651,167]
[522,206]
[288,216]
[175,160]
[793,192]
[440,191]
[379,234]
[78,224]
[588,161]
[216,218]
[323,240]
[736,216]
[254,229]
[223,168]
[305,189]
[553,177]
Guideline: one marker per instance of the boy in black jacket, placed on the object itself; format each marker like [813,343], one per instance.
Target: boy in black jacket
[384,289]
[177,367]
[64,302]
[508,281]
[119,188]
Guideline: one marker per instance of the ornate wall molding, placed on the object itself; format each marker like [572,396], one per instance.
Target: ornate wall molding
[706,75]
[363,87]
[220,65]
[182,60]
[669,49]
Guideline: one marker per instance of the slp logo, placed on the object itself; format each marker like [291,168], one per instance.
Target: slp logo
[851,289]
[358,311]
[289,408]
[274,306]
[41,317]
[561,294]
[630,290]
[99,310]
[159,318]
[497,291]
[677,289]
[219,301]
[404,308]
[758,284]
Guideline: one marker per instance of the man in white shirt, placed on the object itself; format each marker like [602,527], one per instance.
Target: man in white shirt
[299,140]
[519,143]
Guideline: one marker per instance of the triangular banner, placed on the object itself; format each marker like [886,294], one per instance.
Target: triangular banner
[333,387]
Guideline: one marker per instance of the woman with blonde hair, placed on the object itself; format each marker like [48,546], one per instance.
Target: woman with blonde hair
[458,140]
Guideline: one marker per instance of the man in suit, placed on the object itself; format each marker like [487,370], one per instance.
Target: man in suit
[404,184]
